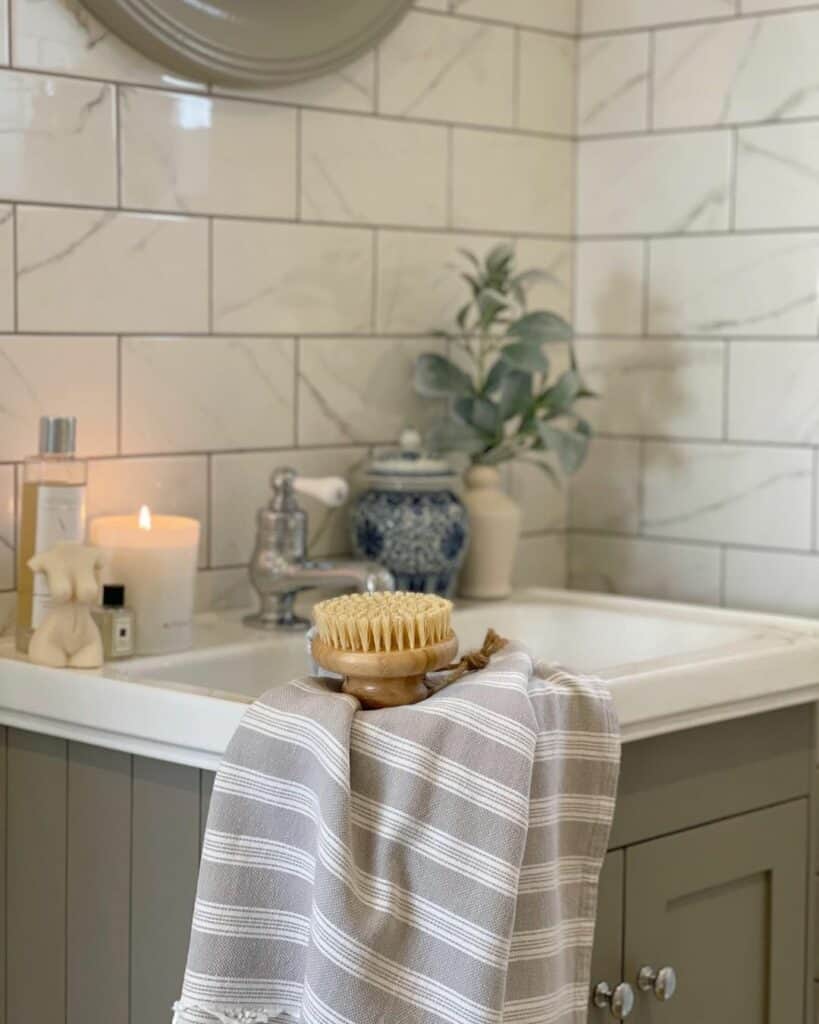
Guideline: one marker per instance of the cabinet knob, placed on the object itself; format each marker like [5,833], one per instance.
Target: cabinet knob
[662,983]
[620,1000]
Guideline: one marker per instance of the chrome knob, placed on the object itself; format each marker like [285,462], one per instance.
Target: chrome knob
[620,1000]
[662,983]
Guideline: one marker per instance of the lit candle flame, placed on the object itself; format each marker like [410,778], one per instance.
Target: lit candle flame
[144,518]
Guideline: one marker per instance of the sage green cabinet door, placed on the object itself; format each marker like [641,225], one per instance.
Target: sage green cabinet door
[607,954]
[726,906]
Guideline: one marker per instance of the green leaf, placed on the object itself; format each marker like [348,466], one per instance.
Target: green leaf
[473,283]
[499,257]
[564,392]
[462,315]
[478,412]
[446,435]
[537,328]
[473,259]
[526,357]
[570,446]
[494,378]
[438,377]
[543,466]
[490,303]
[516,394]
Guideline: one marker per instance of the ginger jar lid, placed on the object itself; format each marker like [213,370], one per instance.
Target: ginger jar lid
[408,467]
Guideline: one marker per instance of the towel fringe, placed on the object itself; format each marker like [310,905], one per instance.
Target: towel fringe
[194,1013]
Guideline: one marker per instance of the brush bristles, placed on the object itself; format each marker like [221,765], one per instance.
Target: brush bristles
[383,621]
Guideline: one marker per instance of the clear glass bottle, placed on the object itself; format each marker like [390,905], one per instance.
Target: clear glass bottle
[115,623]
[52,510]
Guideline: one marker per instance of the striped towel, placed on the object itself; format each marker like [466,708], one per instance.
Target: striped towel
[433,864]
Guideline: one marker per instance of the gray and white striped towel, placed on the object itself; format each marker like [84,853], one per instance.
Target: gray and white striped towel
[433,864]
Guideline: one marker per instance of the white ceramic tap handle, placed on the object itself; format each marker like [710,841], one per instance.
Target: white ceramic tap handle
[331,490]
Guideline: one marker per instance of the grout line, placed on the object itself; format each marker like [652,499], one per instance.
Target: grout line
[733,179]
[15,297]
[299,197]
[516,73]
[450,178]
[722,19]
[726,390]
[693,542]
[209,511]
[650,80]
[211,231]
[296,388]
[645,316]
[119,394]
[118,100]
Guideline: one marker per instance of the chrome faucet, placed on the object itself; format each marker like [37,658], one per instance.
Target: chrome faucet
[279,568]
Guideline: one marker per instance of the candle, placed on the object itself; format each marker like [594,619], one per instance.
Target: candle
[155,557]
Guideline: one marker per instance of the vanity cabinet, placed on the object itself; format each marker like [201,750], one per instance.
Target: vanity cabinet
[726,902]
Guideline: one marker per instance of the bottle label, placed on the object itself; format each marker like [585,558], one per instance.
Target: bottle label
[60,519]
[122,640]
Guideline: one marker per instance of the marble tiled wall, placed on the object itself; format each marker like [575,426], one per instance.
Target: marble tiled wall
[696,299]
[216,282]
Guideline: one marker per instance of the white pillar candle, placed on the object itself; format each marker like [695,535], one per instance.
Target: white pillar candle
[155,557]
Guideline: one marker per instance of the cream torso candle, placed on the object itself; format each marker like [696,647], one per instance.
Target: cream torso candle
[155,557]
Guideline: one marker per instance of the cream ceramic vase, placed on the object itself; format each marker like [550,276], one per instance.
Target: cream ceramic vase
[494,526]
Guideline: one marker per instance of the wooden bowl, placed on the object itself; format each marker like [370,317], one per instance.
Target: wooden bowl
[386,679]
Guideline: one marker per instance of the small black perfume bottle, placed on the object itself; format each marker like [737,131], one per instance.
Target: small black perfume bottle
[115,622]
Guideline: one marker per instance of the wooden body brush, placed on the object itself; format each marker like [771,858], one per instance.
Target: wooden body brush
[384,644]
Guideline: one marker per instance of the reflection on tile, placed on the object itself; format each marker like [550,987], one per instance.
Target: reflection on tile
[601,15]
[60,35]
[778,176]
[350,166]
[420,289]
[746,285]
[206,394]
[352,87]
[605,493]
[7,527]
[223,590]
[613,84]
[644,568]
[291,278]
[773,391]
[175,486]
[547,76]
[540,561]
[179,153]
[360,389]
[57,377]
[537,177]
[772,581]
[757,69]
[446,69]
[6,268]
[609,287]
[727,493]
[240,485]
[57,140]
[559,15]
[654,184]
[653,387]
[544,503]
[100,270]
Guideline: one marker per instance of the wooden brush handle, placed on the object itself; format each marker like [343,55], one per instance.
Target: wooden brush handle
[385,679]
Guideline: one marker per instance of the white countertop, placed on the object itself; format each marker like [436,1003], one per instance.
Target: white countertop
[669,666]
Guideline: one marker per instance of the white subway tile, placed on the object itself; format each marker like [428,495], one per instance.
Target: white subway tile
[351,87]
[654,388]
[206,394]
[57,140]
[7,528]
[602,15]
[558,15]
[544,503]
[105,271]
[609,287]
[752,6]
[350,167]
[61,35]
[772,581]
[654,184]
[54,376]
[291,278]
[448,69]
[540,561]
[727,493]
[512,183]
[6,268]
[420,288]
[223,590]
[605,493]
[612,84]
[547,83]
[749,69]
[741,284]
[778,176]
[173,486]
[636,567]
[197,154]
[240,485]
[773,391]
[360,389]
